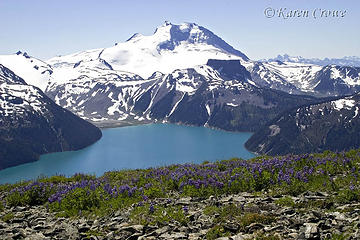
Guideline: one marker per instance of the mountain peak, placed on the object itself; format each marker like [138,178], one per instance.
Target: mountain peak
[173,35]
[184,24]
[168,28]
[172,46]
[166,23]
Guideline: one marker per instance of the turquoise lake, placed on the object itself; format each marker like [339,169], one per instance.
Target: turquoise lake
[134,147]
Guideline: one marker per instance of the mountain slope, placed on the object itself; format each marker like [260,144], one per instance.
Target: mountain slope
[288,77]
[332,125]
[337,80]
[33,70]
[297,78]
[31,124]
[219,94]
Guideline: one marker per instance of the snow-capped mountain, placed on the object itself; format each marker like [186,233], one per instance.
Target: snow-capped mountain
[35,71]
[337,80]
[180,74]
[32,124]
[331,125]
[156,77]
[188,45]
[294,78]
[304,78]
[351,61]
[171,47]
[218,94]
[327,77]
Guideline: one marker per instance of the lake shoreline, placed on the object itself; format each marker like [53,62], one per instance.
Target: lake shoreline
[121,123]
[139,146]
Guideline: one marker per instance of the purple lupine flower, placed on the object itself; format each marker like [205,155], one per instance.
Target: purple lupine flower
[352,187]
[151,208]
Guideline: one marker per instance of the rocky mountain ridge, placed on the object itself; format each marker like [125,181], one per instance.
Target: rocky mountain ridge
[331,125]
[219,94]
[32,124]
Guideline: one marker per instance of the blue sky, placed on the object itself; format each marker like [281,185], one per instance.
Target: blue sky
[46,28]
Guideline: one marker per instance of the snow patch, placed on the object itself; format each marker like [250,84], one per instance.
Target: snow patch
[275,130]
[356,112]
[232,104]
[343,104]
[208,109]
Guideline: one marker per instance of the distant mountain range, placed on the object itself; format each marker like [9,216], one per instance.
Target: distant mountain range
[183,74]
[349,61]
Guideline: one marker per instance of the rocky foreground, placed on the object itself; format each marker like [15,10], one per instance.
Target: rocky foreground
[241,216]
[313,196]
